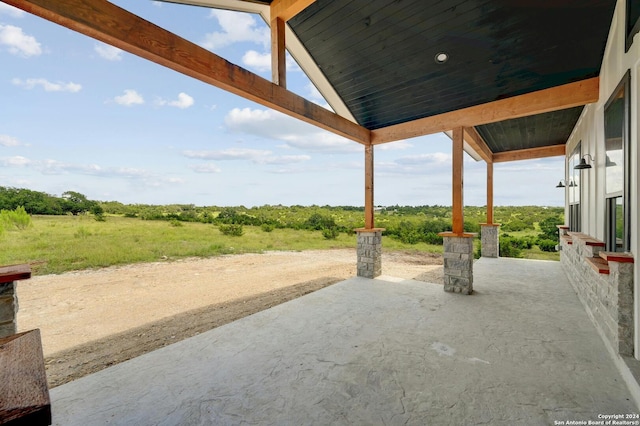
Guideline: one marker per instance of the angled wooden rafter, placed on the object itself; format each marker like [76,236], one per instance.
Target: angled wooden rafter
[530,153]
[547,100]
[477,143]
[111,24]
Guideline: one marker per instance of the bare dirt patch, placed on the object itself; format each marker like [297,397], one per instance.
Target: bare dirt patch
[90,320]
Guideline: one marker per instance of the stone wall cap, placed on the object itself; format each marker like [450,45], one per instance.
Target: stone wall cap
[370,229]
[490,224]
[15,273]
[611,256]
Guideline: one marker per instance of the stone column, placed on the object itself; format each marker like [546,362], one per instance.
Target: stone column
[369,252]
[490,242]
[8,308]
[458,262]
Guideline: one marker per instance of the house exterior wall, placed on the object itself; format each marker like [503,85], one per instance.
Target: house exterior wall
[589,131]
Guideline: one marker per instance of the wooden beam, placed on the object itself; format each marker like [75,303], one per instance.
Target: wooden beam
[111,24]
[278,52]
[529,154]
[478,144]
[489,193]
[457,181]
[553,99]
[369,222]
[287,9]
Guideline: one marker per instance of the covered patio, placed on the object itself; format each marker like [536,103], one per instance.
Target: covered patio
[521,350]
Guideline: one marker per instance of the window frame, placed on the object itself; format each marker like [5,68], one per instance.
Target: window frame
[574,187]
[623,86]
[632,26]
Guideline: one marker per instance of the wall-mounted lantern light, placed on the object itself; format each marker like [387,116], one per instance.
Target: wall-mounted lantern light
[583,163]
[562,184]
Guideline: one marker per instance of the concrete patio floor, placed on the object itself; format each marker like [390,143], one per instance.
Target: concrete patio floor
[521,350]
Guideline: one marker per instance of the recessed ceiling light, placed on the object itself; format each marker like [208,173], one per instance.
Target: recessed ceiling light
[441,58]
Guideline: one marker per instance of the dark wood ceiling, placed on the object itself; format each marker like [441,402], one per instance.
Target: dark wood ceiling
[535,131]
[379,56]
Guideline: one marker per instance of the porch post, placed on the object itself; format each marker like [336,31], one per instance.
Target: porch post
[369,238]
[489,232]
[458,245]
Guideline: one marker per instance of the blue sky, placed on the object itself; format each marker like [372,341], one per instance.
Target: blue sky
[80,115]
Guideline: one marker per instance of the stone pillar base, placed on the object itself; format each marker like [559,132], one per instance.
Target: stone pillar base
[8,309]
[489,238]
[369,252]
[458,262]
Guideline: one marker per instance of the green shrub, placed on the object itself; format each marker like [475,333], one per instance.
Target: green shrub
[510,246]
[267,227]
[175,222]
[232,229]
[547,245]
[17,218]
[330,233]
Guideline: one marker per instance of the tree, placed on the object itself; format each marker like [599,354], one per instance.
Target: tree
[76,203]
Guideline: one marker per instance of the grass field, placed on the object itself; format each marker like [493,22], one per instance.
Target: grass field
[55,244]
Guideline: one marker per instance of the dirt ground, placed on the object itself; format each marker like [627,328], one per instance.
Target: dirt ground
[90,320]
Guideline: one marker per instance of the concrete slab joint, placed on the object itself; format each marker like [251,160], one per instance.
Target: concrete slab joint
[369,252]
[489,238]
[458,263]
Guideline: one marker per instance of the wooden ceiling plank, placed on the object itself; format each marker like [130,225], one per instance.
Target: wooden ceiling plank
[530,153]
[111,24]
[287,9]
[477,143]
[552,99]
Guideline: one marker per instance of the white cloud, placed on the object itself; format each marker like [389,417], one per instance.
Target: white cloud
[48,86]
[205,168]
[18,42]
[295,133]
[14,12]
[6,140]
[108,52]
[286,159]
[184,101]
[130,97]
[256,156]
[261,62]
[257,61]
[17,161]
[429,159]
[235,27]
[394,146]
[228,154]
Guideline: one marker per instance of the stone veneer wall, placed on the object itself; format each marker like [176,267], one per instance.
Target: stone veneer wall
[608,299]
[458,263]
[8,309]
[369,252]
[490,243]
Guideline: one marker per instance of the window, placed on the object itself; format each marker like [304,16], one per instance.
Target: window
[573,186]
[633,22]
[617,188]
